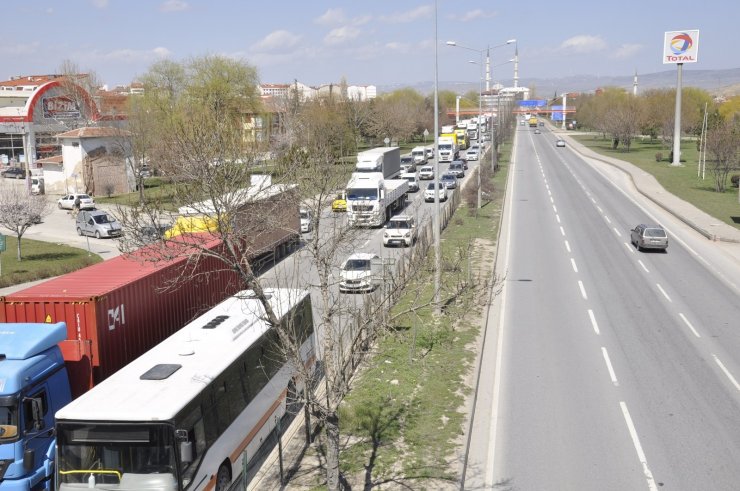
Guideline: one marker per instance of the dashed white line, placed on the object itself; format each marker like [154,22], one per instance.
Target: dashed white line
[663,292]
[583,290]
[593,321]
[616,231]
[683,317]
[562,231]
[599,208]
[609,367]
[552,200]
[567,246]
[607,220]
[727,372]
[554,208]
[629,246]
[573,263]
[638,447]
[639,261]
[593,201]
[557,217]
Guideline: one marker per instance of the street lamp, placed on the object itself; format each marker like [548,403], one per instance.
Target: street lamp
[480,140]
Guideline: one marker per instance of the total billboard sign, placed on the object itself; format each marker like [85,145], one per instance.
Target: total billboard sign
[681,47]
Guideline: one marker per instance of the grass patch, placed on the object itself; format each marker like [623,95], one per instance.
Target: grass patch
[680,181]
[40,260]
[403,419]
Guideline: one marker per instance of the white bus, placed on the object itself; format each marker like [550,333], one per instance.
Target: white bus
[180,416]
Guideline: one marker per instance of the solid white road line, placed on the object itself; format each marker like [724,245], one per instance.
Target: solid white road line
[727,372]
[689,324]
[638,447]
[609,367]
[583,290]
[593,321]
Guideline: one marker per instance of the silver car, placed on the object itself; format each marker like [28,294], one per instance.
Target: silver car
[98,223]
[649,237]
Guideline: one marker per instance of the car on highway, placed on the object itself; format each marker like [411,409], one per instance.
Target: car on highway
[412,180]
[13,173]
[430,152]
[360,272]
[541,123]
[98,224]
[340,202]
[400,230]
[473,153]
[537,131]
[306,220]
[408,164]
[67,202]
[426,172]
[560,142]
[457,169]
[649,237]
[429,192]
[449,180]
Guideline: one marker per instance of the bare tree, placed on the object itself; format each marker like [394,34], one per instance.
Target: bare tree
[20,211]
[723,142]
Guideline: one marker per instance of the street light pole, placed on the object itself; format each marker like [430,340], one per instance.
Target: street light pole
[480,96]
[437,221]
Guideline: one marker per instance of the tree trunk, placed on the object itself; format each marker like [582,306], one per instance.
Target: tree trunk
[332,452]
[18,249]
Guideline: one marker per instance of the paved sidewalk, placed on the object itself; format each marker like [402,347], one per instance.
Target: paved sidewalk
[648,186]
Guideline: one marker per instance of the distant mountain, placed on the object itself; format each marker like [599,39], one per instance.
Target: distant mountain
[720,82]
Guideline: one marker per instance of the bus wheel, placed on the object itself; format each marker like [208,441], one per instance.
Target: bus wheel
[223,479]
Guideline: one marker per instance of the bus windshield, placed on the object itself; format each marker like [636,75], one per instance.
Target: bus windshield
[140,456]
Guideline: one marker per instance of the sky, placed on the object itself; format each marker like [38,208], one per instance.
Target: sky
[380,43]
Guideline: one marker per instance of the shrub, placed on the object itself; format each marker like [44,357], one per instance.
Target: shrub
[659,157]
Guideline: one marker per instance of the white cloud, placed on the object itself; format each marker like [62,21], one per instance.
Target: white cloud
[473,15]
[277,40]
[421,12]
[331,17]
[341,35]
[627,50]
[161,52]
[174,6]
[583,43]
[19,49]
[100,4]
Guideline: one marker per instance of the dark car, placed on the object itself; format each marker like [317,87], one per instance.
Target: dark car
[457,169]
[649,237]
[13,173]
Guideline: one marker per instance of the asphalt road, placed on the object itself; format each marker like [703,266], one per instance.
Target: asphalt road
[610,369]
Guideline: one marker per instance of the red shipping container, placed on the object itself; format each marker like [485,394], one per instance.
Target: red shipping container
[117,310]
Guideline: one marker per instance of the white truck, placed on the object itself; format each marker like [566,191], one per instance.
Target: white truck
[385,160]
[372,199]
[447,148]
[419,154]
[473,130]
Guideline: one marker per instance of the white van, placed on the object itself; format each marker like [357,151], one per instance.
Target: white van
[419,154]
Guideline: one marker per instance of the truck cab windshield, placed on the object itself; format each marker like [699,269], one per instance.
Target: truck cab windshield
[8,420]
[362,193]
[445,146]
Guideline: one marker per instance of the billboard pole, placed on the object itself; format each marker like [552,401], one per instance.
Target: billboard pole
[677,119]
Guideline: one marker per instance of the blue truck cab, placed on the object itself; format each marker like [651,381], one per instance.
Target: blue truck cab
[33,387]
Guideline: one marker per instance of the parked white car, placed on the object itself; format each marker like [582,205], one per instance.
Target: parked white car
[68,202]
[400,230]
[360,272]
[426,172]
[429,191]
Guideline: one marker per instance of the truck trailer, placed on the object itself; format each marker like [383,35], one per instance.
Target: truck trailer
[386,160]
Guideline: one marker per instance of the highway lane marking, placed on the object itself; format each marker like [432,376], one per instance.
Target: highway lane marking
[583,290]
[727,372]
[639,261]
[554,208]
[629,246]
[567,246]
[638,447]
[599,208]
[557,217]
[683,317]
[573,263]
[663,292]
[616,231]
[593,201]
[552,200]
[609,367]
[562,231]
[593,322]
[607,219]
